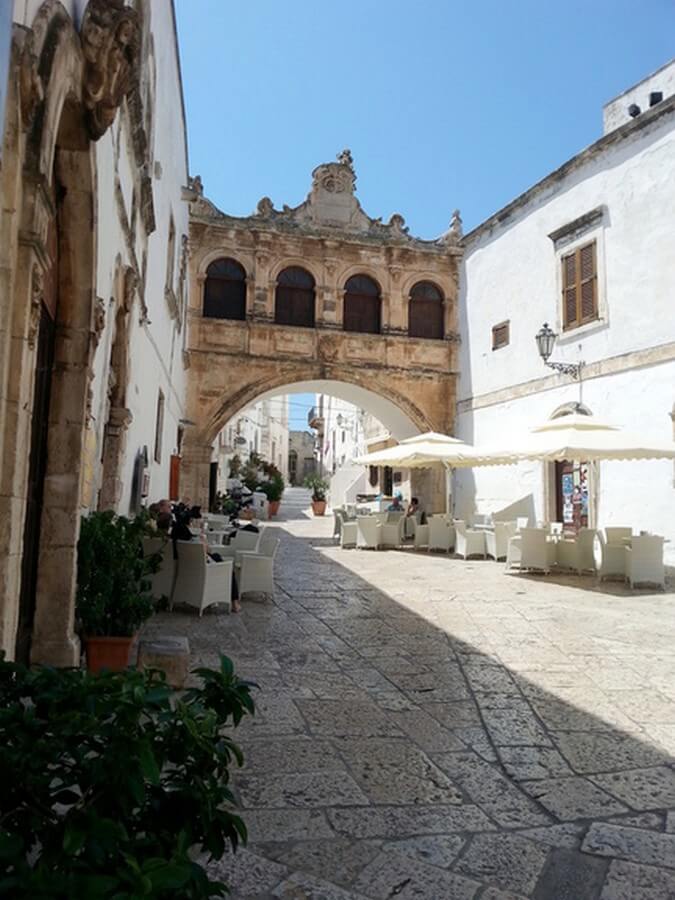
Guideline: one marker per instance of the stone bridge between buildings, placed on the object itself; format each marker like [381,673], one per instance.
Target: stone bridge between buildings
[318,297]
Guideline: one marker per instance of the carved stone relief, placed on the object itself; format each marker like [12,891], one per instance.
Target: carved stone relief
[110,41]
[36,295]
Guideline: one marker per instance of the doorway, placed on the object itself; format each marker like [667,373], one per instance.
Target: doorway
[572,495]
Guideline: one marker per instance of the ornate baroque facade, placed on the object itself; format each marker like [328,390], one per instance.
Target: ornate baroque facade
[319,292]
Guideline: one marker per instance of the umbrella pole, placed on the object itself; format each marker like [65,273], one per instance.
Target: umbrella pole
[448,485]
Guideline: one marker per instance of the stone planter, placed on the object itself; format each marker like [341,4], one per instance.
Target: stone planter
[110,653]
[273,507]
[318,507]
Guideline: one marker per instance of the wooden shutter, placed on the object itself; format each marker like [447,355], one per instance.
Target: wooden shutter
[500,335]
[362,305]
[425,316]
[579,286]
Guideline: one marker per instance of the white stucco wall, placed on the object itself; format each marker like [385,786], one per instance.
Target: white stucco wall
[510,273]
[615,112]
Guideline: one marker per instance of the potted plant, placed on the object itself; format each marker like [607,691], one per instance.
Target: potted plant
[318,487]
[114,591]
[273,490]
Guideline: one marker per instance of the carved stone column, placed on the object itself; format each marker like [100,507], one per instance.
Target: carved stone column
[114,445]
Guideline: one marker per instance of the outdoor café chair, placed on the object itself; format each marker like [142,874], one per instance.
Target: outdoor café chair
[368,532]
[201,582]
[497,541]
[617,534]
[467,542]
[612,557]
[348,535]
[421,537]
[578,553]
[441,534]
[536,552]
[644,561]
[255,571]
[391,533]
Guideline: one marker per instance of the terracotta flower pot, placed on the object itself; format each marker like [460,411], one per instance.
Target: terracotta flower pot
[273,507]
[318,507]
[110,653]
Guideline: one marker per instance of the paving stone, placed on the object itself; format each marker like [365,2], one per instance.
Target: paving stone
[309,789]
[406,878]
[496,894]
[247,874]
[524,763]
[573,798]
[631,844]
[641,788]
[394,771]
[425,730]
[596,752]
[570,875]
[339,860]
[628,881]
[290,754]
[456,714]
[359,718]
[402,821]
[651,821]
[504,860]
[568,835]
[266,825]
[436,849]
[490,678]
[645,706]
[492,791]
[513,725]
[304,887]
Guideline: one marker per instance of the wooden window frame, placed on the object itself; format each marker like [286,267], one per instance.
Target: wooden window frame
[426,313]
[577,286]
[231,306]
[496,345]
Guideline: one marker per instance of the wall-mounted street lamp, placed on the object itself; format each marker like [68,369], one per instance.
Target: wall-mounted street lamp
[546,338]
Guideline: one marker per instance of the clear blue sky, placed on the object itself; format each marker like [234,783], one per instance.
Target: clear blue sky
[443,103]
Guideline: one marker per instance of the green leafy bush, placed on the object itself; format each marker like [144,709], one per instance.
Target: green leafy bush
[112,785]
[318,487]
[114,595]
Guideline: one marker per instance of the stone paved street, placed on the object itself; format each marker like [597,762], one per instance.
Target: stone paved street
[432,728]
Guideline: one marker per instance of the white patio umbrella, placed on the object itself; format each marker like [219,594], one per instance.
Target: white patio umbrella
[580,438]
[426,451]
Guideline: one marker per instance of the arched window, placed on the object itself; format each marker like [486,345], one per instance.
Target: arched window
[425,316]
[362,311]
[294,300]
[225,290]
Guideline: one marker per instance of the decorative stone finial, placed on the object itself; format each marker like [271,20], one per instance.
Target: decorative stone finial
[456,228]
[195,184]
[265,207]
[346,159]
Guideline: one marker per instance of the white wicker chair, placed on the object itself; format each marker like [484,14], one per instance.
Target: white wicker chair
[368,532]
[467,542]
[612,558]
[513,552]
[256,570]
[348,535]
[497,541]
[421,536]
[200,583]
[522,522]
[577,553]
[616,534]
[536,552]
[644,561]
[392,532]
[164,579]
[441,534]
[241,540]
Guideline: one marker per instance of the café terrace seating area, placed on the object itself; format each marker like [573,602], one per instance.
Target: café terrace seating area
[613,553]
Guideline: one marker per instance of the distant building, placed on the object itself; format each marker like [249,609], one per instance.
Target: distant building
[301,456]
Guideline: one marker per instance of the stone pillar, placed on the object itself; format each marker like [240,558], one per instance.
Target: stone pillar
[194,472]
[114,444]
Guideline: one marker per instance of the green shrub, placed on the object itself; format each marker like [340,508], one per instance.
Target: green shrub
[114,594]
[112,784]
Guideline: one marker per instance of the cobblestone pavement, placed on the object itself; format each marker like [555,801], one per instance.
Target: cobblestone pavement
[433,728]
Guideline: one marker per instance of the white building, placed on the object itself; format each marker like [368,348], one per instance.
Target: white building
[261,429]
[590,250]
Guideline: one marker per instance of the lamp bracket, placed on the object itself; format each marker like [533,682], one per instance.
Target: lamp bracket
[573,369]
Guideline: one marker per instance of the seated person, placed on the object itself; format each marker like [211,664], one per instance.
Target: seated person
[396,505]
[414,508]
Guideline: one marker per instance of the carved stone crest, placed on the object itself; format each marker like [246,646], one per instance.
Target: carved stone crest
[110,42]
[31,91]
[265,207]
[98,323]
[36,295]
